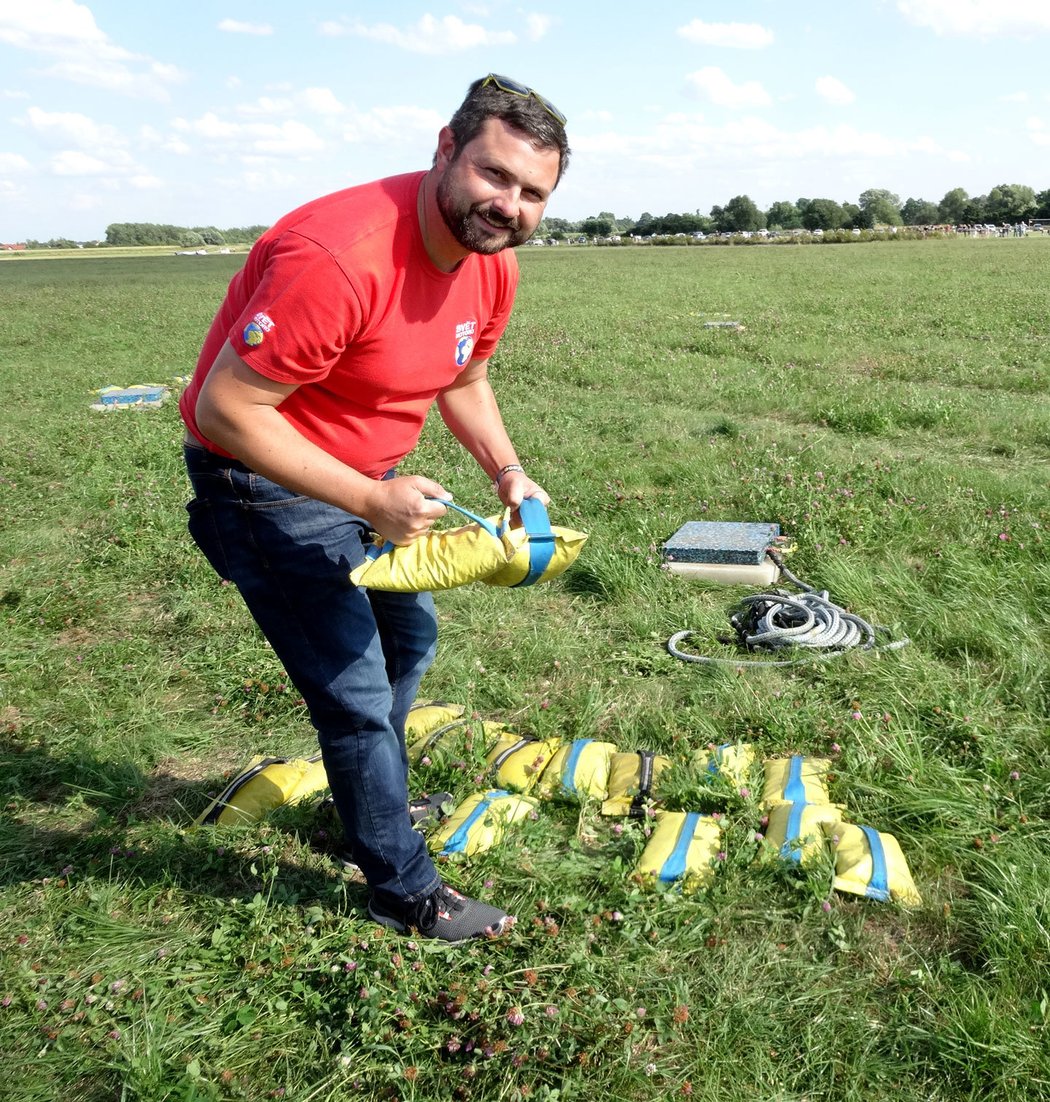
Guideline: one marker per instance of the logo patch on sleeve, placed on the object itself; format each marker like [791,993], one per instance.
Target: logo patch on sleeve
[255,331]
[465,341]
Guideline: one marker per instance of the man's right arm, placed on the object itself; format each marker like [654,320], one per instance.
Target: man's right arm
[237,409]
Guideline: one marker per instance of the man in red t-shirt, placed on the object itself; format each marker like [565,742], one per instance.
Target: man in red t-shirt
[350,318]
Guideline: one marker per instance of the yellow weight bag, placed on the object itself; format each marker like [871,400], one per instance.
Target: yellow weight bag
[519,761]
[266,784]
[535,551]
[438,560]
[480,821]
[580,768]
[683,849]
[795,831]
[632,782]
[796,780]
[871,864]
[732,761]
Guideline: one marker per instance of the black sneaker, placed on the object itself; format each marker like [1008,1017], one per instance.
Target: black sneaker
[432,808]
[445,914]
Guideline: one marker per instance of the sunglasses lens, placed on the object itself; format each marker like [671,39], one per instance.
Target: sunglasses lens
[505,84]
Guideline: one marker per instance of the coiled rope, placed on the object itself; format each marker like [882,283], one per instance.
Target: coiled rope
[777,622]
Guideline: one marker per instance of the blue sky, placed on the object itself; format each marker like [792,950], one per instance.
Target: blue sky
[229,113]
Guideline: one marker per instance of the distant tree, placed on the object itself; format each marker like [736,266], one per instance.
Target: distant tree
[783,215]
[823,214]
[210,235]
[740,214]
[1042,205]
[1010,203]
[597,226]
[920,212]
[879,207]
[190,239]
[853,216]
[953,207]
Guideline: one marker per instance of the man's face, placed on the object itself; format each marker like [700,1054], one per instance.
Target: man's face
[493,195]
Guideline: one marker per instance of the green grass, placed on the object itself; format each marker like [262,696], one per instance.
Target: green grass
[884,403]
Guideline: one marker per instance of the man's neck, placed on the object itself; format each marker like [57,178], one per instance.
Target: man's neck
[442,248]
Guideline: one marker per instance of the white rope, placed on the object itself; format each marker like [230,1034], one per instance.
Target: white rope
[778,622]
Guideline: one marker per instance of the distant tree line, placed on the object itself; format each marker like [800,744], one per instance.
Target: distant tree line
[155,233]
[1010,203]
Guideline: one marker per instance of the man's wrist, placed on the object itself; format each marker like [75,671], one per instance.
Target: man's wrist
[504,471]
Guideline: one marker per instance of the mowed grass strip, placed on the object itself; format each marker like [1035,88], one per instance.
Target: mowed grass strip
[884,403]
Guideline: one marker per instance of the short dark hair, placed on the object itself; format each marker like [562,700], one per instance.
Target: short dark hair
[486,100]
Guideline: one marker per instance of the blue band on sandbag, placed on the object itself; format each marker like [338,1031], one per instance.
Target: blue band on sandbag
[675,865]
[571,762]
[795,790]
[878,886]
[792,834]
[458,842]
[537,524]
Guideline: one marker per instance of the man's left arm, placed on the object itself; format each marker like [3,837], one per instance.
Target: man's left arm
[468,406]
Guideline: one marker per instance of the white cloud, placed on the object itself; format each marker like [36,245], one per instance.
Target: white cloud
[64,128]
[718,88]
[681,143]
[834,91]
[66,32]
[1015,97]
[146,182]
[1038,131]
[537,26]
[429,36]
[72,162]
[738,36]
[394,126]
[13,162]
[321,101]
[285,139]
[235,26]
[979,18]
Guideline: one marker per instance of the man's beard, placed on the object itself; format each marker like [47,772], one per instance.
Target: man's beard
[459,219]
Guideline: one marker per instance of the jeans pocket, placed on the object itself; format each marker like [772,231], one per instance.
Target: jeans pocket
[205,532]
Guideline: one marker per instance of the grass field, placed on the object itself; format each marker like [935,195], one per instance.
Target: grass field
[886,404]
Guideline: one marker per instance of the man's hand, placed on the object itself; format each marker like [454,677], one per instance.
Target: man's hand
[399,509]
[515,486]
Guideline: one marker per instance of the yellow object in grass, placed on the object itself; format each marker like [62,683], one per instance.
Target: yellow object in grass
[871,864]
[579,769]
[632,782]
[480,821]
[796,780]
[683,849]
[266,784]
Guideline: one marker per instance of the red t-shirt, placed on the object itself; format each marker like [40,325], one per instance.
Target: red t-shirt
[341,298]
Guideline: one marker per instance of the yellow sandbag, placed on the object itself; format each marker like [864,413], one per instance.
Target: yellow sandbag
[871,864]
[580,768]
[518,762]
[426,716]
[732,761]
[479,822]
[683,849]
[795,830]
[535,551]
[632,782]
[796,780]
[264,785]
[441,559]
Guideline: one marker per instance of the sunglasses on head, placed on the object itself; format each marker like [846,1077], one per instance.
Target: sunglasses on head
[512,87]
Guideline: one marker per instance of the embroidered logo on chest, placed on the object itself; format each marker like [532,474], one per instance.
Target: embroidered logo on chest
[465,341]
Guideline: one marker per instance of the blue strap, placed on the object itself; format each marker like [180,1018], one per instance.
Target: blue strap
[541,539]
[790,850]
[674,867]
[571,761]
[458,842]
[878,886]
[795,790]
[376,550]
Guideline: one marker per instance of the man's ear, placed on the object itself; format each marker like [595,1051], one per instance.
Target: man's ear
[446,148]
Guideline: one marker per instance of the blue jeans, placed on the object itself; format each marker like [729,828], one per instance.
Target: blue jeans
[356,656]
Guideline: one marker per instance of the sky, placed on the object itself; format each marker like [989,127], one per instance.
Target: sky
[227,113]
